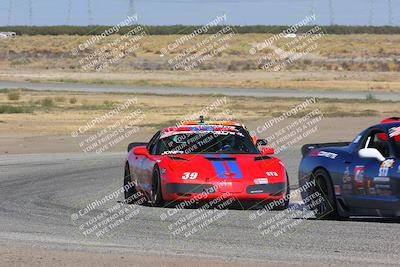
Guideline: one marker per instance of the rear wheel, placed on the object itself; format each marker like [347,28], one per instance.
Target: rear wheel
[323,202]
[129,187]
[156,192]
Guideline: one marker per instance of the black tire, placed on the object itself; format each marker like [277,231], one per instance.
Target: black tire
[156,197]
[325,207]
[285,204]
[129,191]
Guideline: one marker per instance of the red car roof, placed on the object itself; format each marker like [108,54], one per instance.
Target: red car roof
[383,136]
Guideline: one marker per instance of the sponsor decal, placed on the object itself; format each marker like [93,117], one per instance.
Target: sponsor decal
[347,187]
[359,174]
[172,152]
[337,190]
[385,166]
[361,191]
[372,191]
[324,154]
[271,173]
[381,179]
[359,181]
[256,191]
[394,131]
[382,185]
[347,176]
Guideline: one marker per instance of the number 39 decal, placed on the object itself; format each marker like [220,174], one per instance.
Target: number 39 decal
[189,175]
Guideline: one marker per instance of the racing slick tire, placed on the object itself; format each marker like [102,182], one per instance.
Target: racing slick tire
[327,208]
[129,188]
[156,198]
[285,204]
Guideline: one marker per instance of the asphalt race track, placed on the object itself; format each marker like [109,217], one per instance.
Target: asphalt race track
[281,92]
[41,194]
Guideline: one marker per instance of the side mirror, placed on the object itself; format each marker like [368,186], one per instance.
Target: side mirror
[371,153]
[261,142]
[267,151]
[141,151]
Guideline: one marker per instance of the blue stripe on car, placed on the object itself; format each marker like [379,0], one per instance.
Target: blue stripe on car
[219,169]
[234,168]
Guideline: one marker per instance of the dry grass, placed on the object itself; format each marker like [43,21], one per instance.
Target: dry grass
[333,52]
[319,80]
[63,117]
[333,46]
[344,62]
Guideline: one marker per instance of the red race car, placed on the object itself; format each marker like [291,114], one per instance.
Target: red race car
[203,161]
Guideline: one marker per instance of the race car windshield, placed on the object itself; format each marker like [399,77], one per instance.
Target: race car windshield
[206,143]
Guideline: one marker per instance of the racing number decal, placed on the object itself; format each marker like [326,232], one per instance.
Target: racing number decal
[189,175]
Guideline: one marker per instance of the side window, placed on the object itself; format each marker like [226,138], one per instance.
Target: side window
[160,146]
[378,139]
[154,150]
[151,145]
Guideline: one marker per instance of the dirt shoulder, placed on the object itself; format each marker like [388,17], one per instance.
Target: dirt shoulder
[28,256]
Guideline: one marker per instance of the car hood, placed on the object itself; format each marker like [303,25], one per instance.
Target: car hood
[233,167]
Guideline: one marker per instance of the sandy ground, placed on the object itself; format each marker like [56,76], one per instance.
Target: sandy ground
[26,143]
[22,256]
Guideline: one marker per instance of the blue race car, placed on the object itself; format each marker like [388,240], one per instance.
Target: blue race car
[361,178]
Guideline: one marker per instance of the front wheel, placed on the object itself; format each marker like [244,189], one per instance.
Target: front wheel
[156,192]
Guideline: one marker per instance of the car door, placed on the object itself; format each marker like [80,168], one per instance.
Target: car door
[370,178]
[145,165]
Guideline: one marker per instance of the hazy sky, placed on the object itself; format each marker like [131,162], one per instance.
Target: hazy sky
[168,12]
